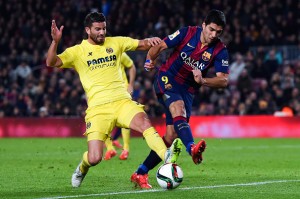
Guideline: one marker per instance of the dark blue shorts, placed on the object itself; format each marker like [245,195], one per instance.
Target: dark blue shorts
[168,90]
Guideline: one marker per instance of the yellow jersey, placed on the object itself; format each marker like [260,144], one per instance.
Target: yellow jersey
[126,62]
[99,68]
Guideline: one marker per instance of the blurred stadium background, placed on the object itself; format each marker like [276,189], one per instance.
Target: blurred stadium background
[262,38]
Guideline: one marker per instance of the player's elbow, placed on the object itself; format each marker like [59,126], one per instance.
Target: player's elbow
[53,62]
[48,63]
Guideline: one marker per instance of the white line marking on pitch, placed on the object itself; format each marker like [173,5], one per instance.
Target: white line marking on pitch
[186,188]
[260,147]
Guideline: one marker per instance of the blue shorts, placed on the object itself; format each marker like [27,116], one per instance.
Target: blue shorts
[167,91]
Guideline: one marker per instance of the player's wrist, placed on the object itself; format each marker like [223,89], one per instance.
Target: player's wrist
[203,81]
[54,42]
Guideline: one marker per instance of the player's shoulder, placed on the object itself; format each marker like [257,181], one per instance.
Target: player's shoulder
[220,44]
[220,49]
[194,27]
[190,30]
[77,48]
[116,39]
[84,43]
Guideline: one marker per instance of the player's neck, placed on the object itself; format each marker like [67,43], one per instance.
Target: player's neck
[203,42]
[203,45]
[91,41]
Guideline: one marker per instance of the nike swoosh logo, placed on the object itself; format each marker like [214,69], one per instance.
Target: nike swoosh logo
[189,45]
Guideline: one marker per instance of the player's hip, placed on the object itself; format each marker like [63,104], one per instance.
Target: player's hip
[100,120]
[167,82]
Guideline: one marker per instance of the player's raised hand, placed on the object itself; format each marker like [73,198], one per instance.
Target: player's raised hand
[153,41]
[55,32]
[198,76]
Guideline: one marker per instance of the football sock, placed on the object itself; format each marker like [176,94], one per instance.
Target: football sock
[109,144]
[166,143]
[155,142]
[184,132]
[142,169]
[117,133]
[151,161]
[85,165]
[126,138]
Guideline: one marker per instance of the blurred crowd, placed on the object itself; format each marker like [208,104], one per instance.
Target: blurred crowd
[262,81]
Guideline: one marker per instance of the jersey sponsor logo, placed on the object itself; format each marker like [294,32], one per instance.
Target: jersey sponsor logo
[189,45]
[206,56]
[195,64]
[90,54]
[105,65]
[109,50]
[101,60]
[172,36]
[225,62]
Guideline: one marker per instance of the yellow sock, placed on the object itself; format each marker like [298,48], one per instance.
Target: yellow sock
[84,167]
[155,142]
[109,144]
[126,138]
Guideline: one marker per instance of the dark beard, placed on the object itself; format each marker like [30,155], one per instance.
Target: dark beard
[96,41]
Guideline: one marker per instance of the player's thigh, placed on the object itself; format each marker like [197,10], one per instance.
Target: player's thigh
[174,103]
[100,121]
[188,103]
[131,114]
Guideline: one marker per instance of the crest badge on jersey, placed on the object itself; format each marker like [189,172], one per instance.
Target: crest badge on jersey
[109,50]
[88,125]
[206,56]
[172,36]
[168,86]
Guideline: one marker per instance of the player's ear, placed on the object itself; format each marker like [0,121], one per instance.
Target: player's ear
[88,30]
[203,25]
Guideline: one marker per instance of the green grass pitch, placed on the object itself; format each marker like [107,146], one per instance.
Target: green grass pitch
[232,168]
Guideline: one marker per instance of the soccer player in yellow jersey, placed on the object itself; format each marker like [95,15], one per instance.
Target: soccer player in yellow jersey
[126,65]
[97,62]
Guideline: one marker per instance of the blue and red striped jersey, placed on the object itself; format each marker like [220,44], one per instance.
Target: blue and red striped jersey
[188,55]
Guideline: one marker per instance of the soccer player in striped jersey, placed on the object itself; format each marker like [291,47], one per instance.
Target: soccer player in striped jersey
[195,51]
[97,62]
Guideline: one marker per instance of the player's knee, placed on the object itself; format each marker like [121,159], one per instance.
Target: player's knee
[95,159]
[177,108]
[144,126]
[140,123]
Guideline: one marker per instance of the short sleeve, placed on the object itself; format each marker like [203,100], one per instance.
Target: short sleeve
[221,62]
[68,57]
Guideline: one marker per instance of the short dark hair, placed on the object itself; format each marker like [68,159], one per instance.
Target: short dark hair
[93,17]
[217,17]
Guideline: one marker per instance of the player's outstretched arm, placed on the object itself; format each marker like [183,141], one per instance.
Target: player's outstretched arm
[153,53]
[147,43]
[56,34]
